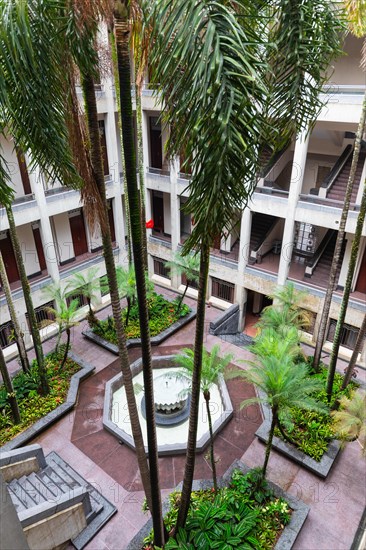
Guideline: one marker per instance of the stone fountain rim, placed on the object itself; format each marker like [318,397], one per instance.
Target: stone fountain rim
[116,383]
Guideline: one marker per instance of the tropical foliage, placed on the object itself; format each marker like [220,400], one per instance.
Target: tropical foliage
[32,404]
[187,265]
[88,284]
[242,515]
[350,419]
[162,314]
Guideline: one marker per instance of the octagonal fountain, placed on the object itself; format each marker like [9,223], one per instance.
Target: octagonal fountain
[172,404]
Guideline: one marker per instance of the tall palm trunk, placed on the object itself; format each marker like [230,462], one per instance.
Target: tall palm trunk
[196,385]
[180,303]
[96,159]
[28,302]
[269,442]
[340,237]
[19,336]
[9,389]
[346,293]
[127,205]
[206,395]
[356,351]
[141,170]
[124,74]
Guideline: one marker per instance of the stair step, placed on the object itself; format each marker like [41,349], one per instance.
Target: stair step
[57,482]
[64,474]
[45,490]
[19,505]
[27,500]
[31,490]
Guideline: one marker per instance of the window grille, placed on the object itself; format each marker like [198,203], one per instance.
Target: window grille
[160,269]
[223,290]
[348,334]
[6,333]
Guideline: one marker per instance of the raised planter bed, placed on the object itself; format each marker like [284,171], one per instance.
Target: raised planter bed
[135,342]
[320,468]
[300,510]
[43,423]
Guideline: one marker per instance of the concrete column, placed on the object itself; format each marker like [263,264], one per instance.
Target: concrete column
[297,177]
[49,247]
[12,535]
[241,291]
[174,216]
[345,261]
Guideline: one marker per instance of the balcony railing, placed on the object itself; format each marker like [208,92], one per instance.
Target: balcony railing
[24,198]
[158,171]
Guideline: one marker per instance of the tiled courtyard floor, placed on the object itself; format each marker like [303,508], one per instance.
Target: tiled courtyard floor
[336,504]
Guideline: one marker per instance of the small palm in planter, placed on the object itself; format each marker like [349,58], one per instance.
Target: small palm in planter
[212,366]
[89,284]
[350,420]
[284,383]
[187,265]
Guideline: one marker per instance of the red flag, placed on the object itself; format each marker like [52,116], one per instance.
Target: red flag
[150,224]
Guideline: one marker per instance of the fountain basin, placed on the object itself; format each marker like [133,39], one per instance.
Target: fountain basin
[173,409]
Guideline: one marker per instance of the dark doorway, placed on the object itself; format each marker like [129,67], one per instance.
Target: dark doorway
[217,242]
[6,249]
[361,279]
[39,248]
[24,173]
[156,146]
[78,234]
[158,213]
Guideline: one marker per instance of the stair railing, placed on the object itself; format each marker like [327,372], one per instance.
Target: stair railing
[311,264]
[333,174]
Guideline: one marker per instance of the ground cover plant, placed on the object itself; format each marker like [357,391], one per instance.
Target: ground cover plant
[312,431]
[245,515]
[32,404]
[162,314]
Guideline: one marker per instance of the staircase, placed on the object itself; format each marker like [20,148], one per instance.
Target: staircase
[338,188]
[261,224]
[321,272]
[55,490]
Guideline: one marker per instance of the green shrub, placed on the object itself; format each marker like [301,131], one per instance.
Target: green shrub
[162,314]
[244,515]
[32,405]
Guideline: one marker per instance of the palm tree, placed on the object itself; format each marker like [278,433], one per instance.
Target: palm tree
[213,366]
[11,395]
[64,314]
[36,87]
[187,265]
[356,351]
[222,83]
[89,283]
[121,15]
[350,419]
[28,302]
[346,292]
[19,336]
[285,386]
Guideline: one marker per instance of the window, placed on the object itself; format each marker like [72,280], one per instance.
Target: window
[160,269]
[222,290]
[77,295]
[44,316]
[6,334]
[348,334]
[192,284]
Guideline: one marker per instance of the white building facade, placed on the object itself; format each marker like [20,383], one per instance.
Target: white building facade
[287,233]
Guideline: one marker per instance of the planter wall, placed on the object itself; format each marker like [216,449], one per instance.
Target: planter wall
[135,342]
[289,534]
[43,423]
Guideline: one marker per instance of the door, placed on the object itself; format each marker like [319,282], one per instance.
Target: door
[158,213]
[156,146]
[24,173]
[39,248]
[361,279]
[78,235]
[8,255]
